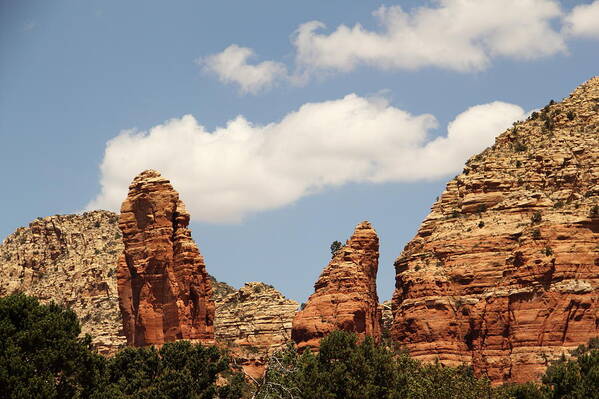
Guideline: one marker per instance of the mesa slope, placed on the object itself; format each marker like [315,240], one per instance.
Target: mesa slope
[504,271]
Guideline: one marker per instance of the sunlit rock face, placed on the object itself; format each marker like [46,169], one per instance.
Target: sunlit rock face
[253,323]
[345,296]
[164,290]
[70,260]
[504,271]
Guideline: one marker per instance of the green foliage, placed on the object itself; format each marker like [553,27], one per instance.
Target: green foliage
[575,378]
[335,246]
[41,355]
[528,390]
[178,370]
[345,368]
[520,147]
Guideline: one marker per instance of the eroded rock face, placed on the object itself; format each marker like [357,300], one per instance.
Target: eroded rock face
[253,323]
[71,260]
[504,271]
[164,290]
[345,296]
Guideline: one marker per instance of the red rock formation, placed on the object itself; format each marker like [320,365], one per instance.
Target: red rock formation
[504,271]
[164,290]
[345,295]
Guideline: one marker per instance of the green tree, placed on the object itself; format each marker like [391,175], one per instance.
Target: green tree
[335,246]
[348,369]
[179,369]
[41,354]
[529,390]
[575,378]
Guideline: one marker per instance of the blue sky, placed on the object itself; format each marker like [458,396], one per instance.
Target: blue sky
[338,125]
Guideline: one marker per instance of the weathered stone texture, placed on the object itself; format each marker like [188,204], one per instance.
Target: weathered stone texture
[345,296]
[253,322]
[71,260]
[504,271]
[164,290]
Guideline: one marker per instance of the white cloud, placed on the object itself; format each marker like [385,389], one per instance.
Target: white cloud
[29,26]
[231,66]
[244,168]
[461,35]
[583,21]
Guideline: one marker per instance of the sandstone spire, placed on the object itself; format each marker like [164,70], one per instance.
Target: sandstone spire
[345,295]
[164,290]
[504,271]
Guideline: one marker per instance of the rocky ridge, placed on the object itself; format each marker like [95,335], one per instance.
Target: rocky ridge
[504,271]
[254,322]
[71,260]
[345,296]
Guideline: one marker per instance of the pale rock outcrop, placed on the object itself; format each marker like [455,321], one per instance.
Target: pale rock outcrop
[253,323]
[71,260]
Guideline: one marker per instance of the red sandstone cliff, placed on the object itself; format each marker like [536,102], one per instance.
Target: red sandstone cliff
[164,290]
[345,295]
[504,271]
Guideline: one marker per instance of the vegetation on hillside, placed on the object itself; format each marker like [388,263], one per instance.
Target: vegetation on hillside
[43,357]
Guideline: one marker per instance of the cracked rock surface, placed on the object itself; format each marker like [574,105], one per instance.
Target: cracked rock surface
[254,322]
[71,260]
[164,290]
[504,271]
[345,296]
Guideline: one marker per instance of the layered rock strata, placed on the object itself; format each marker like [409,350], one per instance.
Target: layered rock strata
[504,271]
[164,290]
[254,322]
[71,260]
[345,296]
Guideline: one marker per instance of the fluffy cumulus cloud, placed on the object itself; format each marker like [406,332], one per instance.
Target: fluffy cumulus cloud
[242,168]
[583,21]
[231,66]
[461,35]
[458,35]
